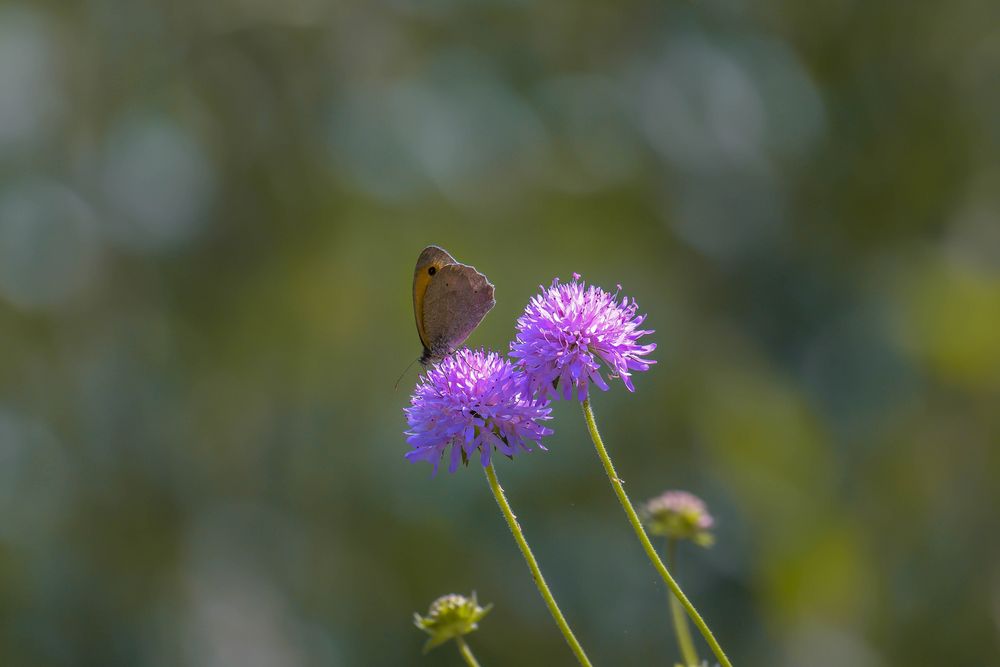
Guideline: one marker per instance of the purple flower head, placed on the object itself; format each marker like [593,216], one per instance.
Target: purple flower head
[567,328]
[472,400]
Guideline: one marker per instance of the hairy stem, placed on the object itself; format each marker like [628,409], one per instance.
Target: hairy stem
[536,573]
[466,652]
[684,641]
[640,532]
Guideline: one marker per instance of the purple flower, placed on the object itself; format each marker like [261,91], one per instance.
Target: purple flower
[567,328]
[472,400]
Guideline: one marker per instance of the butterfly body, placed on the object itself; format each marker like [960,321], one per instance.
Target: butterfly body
[450,299]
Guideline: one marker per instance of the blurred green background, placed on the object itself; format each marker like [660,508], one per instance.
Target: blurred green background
[209,215]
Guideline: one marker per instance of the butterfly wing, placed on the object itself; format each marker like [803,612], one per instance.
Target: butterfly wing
[430,261]
[456,300]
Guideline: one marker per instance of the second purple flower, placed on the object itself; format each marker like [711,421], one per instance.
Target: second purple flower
[568,328]
[473,400]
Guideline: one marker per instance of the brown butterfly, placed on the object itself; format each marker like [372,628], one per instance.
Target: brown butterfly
[449,301]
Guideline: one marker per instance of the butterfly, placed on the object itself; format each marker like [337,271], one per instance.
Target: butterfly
[450,299]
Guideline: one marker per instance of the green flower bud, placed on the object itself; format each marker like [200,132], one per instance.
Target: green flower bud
[450,616]
[680,515]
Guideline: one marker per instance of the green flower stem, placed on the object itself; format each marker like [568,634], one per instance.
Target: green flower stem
[640,532]
[466,652]
[536,573]
[684,641]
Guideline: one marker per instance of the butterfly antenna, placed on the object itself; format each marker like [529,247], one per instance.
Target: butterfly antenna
[395,387]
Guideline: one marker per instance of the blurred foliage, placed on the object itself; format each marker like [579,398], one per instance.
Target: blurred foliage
[209,214]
